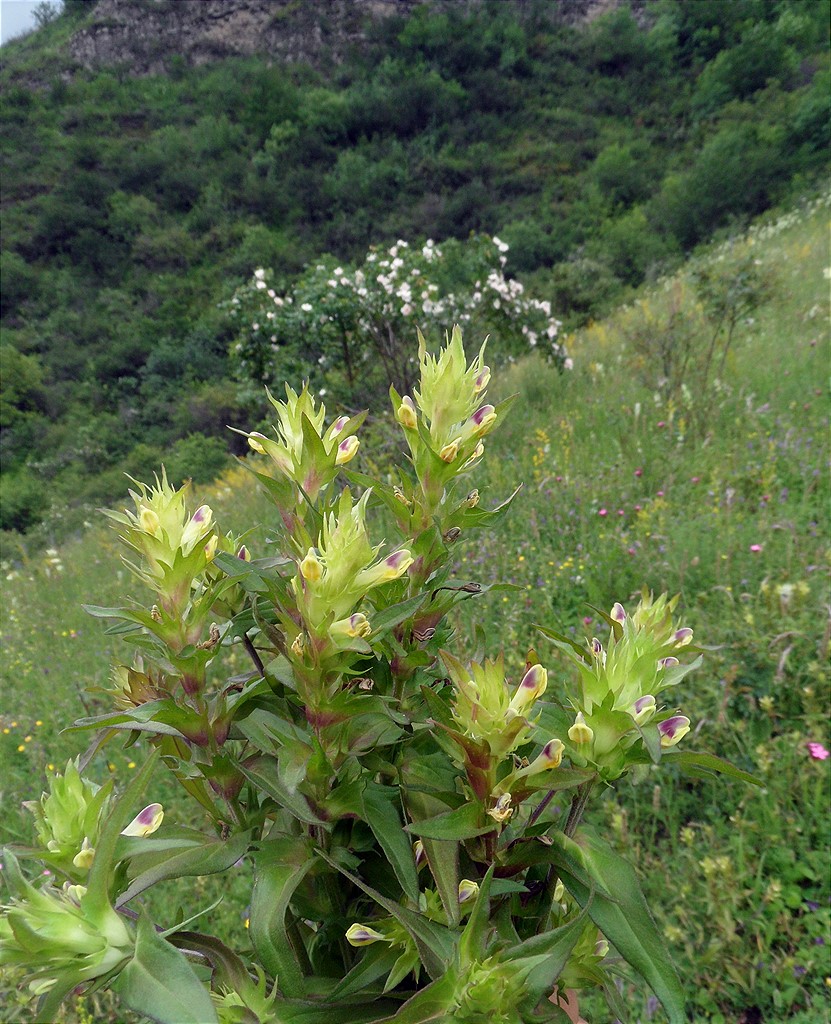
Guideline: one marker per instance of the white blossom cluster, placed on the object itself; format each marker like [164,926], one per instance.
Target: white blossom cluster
[372,311]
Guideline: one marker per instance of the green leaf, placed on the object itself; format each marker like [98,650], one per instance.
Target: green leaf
[625,920]
[159,983]
[464,822]
[205,858]
[377,961]
[435,943]
[264,773]
[381,812]
[281,865]
[543,957]
[385,620]
[708,764]
[473,942]
[560,640]
[101,872]
[229,971]
[432,1003]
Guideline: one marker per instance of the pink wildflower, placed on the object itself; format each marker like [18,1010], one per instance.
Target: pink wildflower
[755,548]
[818,752]
[603,512]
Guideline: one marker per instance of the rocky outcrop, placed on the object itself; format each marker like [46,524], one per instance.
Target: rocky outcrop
[142,36]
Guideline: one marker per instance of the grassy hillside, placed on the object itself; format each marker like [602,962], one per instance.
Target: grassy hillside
[719,493]
[133,206]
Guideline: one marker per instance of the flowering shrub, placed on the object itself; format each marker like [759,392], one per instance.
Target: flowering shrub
[395,799]
[347,329]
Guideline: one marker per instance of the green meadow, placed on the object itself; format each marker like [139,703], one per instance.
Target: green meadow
[638,469]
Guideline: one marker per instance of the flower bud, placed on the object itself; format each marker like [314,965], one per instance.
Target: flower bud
[311,568]
[145,822]
[244,554]
[75,892]
[643,709]
[618,612]
[601,948]
[467,890]
[472,500]
[449,451]
[149,522]
[363,935]
[298,645]
[482,379]
[683,636]
[338,425]
[668,662]
[85,856]
[419,854]
[347,450]
[580,733]
[406,414]
[530,689]
[673,729]
[559,891]
[401,496]
[211,546]
[255,443]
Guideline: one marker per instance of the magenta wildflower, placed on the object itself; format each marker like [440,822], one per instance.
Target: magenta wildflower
[755,548]
[818,752]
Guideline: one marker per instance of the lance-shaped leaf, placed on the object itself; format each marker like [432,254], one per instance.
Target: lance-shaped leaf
[625,920]
[281,866]
[381,812]
[158,982]
[154,860]
[707,765]
[101,872]
[436,1002]
[541,958]
[435,943]
[463,822]
[378,960]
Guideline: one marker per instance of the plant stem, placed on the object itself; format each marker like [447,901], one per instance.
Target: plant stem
[578,805]
[252,651]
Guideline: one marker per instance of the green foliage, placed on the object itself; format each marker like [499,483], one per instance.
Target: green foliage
[135,205]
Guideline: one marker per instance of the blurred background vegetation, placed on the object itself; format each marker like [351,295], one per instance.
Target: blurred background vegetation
[601,153]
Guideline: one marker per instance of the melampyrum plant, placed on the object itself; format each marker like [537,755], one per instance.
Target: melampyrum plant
[394,797]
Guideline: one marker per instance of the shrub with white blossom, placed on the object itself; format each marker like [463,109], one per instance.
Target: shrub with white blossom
[349,329]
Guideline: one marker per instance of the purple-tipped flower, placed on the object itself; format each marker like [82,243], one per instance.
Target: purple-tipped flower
[643,709]
[338,425]
[673,730]
[618,612]
[419,854]
[532,686]
[347,449]
[482,379]
[467,890]
[363,935]
[244,554]
[668,662]
[597,650]
[683,636]
[146,821]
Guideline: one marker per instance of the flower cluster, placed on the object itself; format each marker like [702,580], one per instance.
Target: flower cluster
[620,684]
[350,325]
